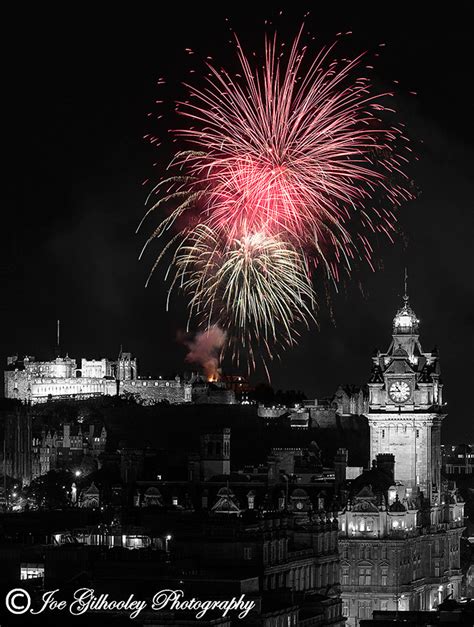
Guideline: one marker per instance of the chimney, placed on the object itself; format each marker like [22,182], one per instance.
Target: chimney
[340,465]
[386,463]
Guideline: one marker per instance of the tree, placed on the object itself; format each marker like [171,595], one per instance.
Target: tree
[50,491]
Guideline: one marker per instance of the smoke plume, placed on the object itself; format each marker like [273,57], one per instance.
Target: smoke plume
[205,349]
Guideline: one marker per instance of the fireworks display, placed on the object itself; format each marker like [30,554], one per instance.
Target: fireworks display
[287,167]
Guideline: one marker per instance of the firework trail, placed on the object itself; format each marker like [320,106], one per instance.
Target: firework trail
[288,167]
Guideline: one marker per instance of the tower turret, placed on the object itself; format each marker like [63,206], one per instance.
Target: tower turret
[405,405]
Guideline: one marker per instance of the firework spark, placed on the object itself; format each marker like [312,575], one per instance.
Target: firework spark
[257,287]
[287,167]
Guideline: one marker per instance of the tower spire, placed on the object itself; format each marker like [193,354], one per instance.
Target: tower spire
[405,322]
[58,346]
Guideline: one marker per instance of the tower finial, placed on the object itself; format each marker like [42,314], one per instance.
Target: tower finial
[405,295]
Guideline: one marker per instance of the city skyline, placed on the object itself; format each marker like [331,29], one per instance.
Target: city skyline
[177,446]
[89,160]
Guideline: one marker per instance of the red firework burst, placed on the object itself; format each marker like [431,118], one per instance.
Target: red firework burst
[295,151]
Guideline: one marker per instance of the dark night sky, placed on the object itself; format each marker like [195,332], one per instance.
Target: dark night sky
[80,85]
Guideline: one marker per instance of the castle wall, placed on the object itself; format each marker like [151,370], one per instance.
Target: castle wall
[151,391]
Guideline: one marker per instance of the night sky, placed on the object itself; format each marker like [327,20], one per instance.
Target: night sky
[80,86]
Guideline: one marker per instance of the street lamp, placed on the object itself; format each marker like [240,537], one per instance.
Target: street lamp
[168,537]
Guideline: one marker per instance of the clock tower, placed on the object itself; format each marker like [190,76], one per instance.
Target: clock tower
[406,407]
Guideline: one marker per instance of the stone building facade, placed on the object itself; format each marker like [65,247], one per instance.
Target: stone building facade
[73,447]
[400,526]
[34,382]
[17,451]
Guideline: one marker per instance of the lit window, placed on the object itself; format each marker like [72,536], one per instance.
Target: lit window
[31,571]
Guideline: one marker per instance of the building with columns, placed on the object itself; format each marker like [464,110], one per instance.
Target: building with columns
[400,526]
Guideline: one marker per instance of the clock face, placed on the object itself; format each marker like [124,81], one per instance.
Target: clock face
[399,391]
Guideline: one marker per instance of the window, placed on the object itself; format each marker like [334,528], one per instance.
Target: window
[383,433]
[345,577]
[365,609]
[247,553]
[365,577]
[384,578]
[31,571]
[345,608]
[384,606]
